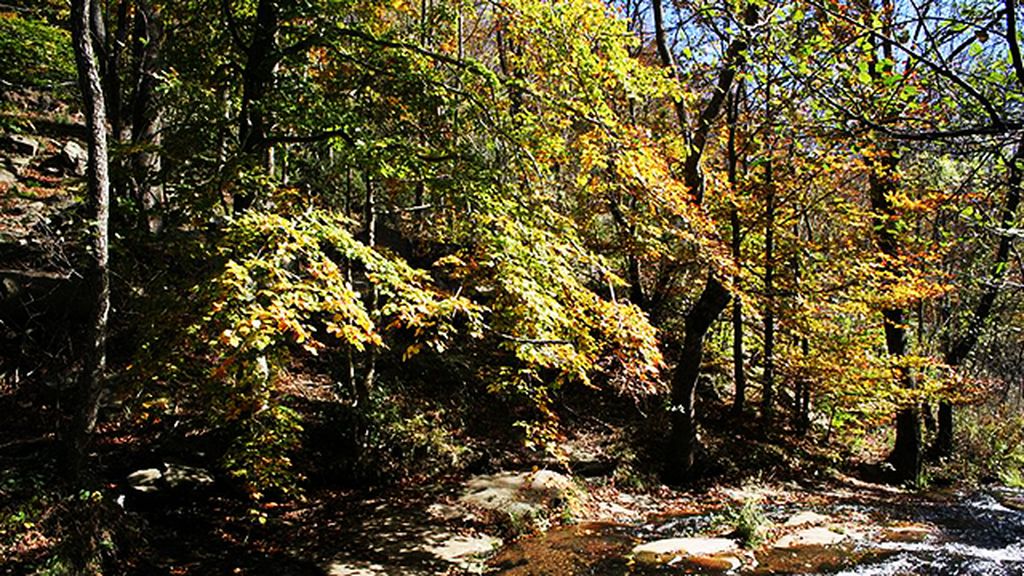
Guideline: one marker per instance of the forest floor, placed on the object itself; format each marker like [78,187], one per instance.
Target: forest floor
[414,527]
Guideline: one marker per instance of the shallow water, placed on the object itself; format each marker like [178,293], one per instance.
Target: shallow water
[978,536]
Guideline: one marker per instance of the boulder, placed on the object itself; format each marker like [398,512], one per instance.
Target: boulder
[818,536]
[705,552]
[179,476]
[522,498]
[465,551]
[170,478]
[908,533]
[7,177]
[806,518]
[146,480]
[20,144]
[74,158]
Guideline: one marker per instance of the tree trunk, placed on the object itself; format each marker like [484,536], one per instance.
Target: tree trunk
[147,162]
[683,440]
[738,370]
[768,390]
[906,454]
[714,297]
[261,60]
[958,352]
[802,395]
[86,406]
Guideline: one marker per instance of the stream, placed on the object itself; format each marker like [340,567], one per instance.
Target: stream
[970,534]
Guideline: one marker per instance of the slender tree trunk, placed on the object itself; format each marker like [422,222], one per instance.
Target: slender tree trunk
[147,162]
[683,440]
[738,370]
[261,60]
[958,352]
[714,297]
[802,395]
[768,390]
[90,381]
[906,454]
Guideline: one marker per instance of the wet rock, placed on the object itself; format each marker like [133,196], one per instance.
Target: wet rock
[818,536]
[706,552]
[1012,498]
[908,533]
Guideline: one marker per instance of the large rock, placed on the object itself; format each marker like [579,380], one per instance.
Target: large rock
[520,497]
[74,158]
[714,553]
[468,552]
[908,533]
[169,478]
[818,536]
[147,480]
[7,178]
[20,144]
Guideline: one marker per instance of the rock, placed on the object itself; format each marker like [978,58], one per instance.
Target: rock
[522,498]
[18,164]
[445,512]
[694,550]
[7,177]
[806,518]
[173,477]
[907,533]
[818,536]
[466,552]
[74,158]
[719,563]
[1012,498]
[20,144]
[178,476]
[146,480]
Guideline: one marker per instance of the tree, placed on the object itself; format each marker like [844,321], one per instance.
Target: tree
[90,380]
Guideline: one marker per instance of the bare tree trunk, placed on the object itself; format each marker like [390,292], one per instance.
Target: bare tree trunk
[90,380]
[146,118]
[714,297]
[261,60]
[768,389]
[958,352]
[738,370]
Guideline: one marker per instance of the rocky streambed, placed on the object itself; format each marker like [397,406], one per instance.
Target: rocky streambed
[540,522]
[858,530]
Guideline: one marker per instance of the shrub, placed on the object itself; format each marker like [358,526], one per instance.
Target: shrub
[34,54]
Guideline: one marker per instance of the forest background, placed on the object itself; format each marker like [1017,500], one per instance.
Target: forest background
[336,240]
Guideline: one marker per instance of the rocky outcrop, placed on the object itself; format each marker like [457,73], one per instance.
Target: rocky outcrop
[159,486]
[523,499]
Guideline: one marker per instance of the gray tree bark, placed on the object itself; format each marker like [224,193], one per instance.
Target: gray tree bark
[90,381]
